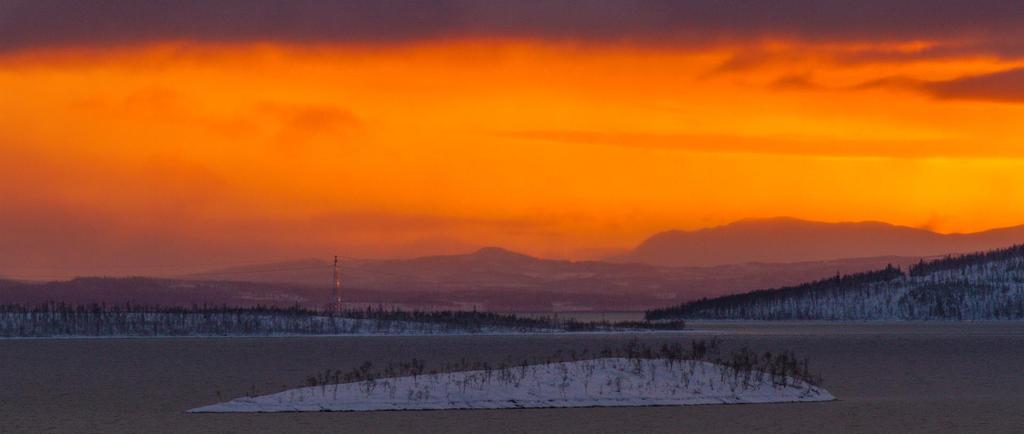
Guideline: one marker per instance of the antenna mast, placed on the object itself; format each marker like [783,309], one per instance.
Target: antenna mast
[336,301]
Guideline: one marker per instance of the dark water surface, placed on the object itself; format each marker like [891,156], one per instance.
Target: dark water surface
[916,377]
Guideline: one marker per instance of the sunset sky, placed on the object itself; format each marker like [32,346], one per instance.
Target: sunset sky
[162,134]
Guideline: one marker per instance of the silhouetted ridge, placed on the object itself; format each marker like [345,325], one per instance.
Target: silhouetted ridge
[952,262]
[716,306]
[977,286]
[787,240]
[500,254]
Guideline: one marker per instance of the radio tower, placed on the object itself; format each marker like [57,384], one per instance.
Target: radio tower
[336,301]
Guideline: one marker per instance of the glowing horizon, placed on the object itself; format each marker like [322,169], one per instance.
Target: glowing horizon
[265,149]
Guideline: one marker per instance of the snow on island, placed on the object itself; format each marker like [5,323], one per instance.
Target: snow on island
[603,382]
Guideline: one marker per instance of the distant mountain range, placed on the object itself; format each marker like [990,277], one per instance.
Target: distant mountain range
[498,279]
[783,240]
[489,279]
[669,268]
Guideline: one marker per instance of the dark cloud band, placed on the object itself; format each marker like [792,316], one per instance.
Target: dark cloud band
[1003,86]
[32,23]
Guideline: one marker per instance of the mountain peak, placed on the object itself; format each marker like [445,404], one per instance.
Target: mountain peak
[786,221]
[491,250]
[768,220]
[497,253]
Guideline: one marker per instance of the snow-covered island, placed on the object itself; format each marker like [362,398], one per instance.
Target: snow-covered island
[600,382]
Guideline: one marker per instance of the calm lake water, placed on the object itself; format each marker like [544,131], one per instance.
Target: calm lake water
[917,377]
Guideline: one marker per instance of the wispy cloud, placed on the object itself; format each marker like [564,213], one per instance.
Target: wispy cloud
[771,145]
[796,81]
[1003,86]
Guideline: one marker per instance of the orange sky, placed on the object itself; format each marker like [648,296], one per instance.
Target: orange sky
[181,152]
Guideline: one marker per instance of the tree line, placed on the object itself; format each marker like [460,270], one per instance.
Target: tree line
[978,286]
[97,319]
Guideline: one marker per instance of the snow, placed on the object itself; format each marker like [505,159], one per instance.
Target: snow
[158,324]
[979,292]
[242,323]
[607,382]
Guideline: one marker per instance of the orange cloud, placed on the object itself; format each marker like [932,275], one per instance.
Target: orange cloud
[221,151]
[1004,86]
[778,145]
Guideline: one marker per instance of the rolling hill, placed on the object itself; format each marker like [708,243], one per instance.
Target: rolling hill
[498,279]
[979,286]
[489,279]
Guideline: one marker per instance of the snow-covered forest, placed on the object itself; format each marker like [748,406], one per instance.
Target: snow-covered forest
[58,319]
[981,286]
